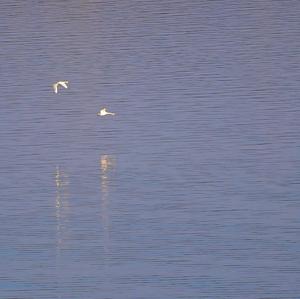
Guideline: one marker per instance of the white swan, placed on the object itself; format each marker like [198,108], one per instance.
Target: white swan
[103,112]
[62,83]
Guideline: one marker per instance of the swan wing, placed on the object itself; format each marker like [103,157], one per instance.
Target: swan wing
[55,87]
[64,84]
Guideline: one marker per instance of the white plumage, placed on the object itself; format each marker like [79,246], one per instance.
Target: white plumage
[61,83]
[103,112]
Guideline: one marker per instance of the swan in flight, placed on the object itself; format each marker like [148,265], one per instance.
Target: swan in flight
[62,83]
[103,112]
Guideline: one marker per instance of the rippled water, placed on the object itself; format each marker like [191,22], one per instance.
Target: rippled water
[191,190]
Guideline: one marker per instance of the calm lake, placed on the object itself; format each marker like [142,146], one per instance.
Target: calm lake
[191,190]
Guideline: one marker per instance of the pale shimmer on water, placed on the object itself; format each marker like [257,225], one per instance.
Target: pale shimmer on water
[191,191]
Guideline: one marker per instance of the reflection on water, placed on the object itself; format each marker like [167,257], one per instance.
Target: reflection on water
[107,164]
[62,205]
[62,211]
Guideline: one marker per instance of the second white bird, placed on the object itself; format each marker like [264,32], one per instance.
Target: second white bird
[103,112]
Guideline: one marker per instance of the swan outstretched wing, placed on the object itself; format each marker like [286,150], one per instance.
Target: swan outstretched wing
[64,84]
[55,87]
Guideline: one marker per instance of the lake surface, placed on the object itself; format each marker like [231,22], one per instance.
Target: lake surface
[191,190]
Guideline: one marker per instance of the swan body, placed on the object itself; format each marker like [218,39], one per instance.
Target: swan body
[103,112]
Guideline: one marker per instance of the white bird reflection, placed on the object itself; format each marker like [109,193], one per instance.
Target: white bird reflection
[106,164]
[62,206]
[62,212]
